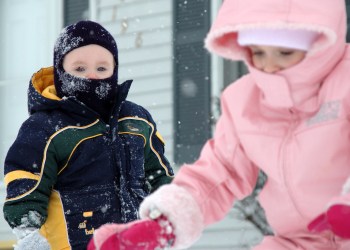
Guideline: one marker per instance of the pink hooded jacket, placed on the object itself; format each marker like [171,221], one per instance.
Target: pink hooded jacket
[294,125]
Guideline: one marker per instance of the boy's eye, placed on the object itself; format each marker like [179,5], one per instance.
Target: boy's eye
[101,69]
[80,69]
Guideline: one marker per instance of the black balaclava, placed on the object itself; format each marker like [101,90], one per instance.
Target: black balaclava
[97,94]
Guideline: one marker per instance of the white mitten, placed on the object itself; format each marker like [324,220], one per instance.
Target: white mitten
[29,239]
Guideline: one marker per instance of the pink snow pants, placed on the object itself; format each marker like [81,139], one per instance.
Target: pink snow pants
[308,243]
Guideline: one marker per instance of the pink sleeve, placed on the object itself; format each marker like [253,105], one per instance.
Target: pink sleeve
[221,174]
[203,192]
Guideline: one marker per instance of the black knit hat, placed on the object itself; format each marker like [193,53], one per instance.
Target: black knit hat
[77,35]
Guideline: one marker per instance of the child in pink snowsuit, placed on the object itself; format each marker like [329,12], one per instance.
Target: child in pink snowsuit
[289,117]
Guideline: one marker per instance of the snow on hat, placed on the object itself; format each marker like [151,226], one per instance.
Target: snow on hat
[78,35]
[294,39]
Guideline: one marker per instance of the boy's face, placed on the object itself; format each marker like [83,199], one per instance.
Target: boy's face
[271,59]
[90,61]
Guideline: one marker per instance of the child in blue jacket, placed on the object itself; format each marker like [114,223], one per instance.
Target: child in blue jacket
[85,156]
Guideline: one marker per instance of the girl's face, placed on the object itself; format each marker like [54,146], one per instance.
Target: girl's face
[90,61]
[271,59]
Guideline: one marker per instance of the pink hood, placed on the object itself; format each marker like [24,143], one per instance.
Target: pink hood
[294,86]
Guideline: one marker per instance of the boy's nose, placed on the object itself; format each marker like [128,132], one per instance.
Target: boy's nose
[91,75]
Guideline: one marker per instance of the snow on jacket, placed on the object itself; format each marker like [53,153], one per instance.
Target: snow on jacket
[294,125]
[68,172]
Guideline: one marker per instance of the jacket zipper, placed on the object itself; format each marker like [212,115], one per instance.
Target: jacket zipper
[285,154]
[110,135]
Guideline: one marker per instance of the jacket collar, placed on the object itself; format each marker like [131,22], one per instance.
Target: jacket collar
[42,96]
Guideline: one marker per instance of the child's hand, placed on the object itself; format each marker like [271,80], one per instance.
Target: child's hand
[144,234]
[335,219]
[29,239]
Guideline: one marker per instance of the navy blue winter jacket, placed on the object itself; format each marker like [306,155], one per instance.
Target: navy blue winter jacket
[68,172]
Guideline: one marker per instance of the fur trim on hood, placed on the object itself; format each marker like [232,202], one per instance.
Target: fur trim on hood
[328,19]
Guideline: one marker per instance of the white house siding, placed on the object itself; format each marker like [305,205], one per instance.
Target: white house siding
[29,29]
[143,31]
[26,43]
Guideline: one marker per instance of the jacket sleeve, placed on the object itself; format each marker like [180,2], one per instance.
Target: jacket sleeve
[157,168]
[29,173]
[222,173]
[205,190]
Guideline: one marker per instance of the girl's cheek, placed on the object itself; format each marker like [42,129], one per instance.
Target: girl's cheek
[256,62]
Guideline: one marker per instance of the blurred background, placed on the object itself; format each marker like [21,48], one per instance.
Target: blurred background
[161,48]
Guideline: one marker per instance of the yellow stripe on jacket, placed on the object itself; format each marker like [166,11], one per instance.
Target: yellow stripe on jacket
[19,174]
